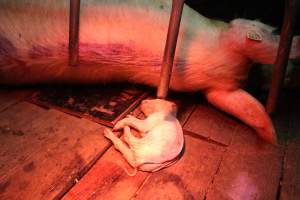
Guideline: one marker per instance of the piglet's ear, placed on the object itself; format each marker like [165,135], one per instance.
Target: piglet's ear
[255,36]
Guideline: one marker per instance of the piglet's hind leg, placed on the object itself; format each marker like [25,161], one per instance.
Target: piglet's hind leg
[123,148]
[245,107]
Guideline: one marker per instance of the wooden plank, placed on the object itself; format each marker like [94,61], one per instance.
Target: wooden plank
[185,109]
[107,178]
[57,149]
[17,136]
[190,177]
[290,186]
[251,169]
[10,97]
[211,124]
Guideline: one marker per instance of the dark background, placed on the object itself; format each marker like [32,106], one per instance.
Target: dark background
[268,11]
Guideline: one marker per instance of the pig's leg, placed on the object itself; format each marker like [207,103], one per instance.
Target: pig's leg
[123,148]
[140,125]
[245,107]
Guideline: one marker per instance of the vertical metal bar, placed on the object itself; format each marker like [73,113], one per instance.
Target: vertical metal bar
[279,70]
[74,31]
[169,52]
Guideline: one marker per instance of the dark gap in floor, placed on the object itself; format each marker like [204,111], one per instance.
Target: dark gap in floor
[215,175]
[40,105]
[77,177]
[281,174]
[200,137]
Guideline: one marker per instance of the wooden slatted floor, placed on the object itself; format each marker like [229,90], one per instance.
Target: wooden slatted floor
[47,154]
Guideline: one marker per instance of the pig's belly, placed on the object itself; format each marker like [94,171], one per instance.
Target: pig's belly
[104,63]
[118,42]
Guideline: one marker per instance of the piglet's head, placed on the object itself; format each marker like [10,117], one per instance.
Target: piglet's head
[158,105]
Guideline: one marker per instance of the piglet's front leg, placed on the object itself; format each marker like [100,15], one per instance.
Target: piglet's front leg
[140,125]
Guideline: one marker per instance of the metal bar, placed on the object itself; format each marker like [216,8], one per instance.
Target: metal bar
[169,52]
[74,32]
[286,37]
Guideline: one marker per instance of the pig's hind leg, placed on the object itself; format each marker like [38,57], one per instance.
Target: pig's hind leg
[246,108]
[123,148]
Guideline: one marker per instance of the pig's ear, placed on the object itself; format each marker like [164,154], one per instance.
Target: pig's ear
[254,35]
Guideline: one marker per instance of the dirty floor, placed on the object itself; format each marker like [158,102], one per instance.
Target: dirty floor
[48,154]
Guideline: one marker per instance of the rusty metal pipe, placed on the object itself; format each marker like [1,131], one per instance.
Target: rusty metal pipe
[74,32]
[286,36]
[170,47]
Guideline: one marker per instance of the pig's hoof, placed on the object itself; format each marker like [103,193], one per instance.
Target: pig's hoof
[268,134]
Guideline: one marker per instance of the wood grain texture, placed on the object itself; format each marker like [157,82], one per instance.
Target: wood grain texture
[211,124]
[190,177]
[107,178]
[290,185]
[251,169]
[47,153]
[17,136]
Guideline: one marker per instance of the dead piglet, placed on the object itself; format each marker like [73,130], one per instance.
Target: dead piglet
[162,139]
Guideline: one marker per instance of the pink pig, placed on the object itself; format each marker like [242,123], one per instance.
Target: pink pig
[124,41]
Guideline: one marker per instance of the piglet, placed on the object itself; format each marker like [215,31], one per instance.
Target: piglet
[162,137]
